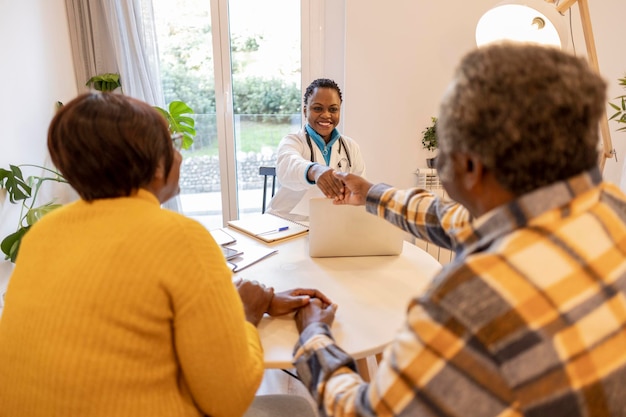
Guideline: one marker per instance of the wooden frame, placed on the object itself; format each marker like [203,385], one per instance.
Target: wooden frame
[592,56]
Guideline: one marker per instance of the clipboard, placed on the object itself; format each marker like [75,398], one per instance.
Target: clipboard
[269,227]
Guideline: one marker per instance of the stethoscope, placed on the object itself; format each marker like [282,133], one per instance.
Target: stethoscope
[342,144]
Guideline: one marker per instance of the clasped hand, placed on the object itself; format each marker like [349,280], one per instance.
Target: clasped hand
[258,299]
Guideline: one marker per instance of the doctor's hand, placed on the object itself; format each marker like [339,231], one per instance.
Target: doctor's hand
[316,311]
[327,183]
[356,189]
[285,302]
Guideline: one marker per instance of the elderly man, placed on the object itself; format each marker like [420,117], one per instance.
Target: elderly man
[530,317]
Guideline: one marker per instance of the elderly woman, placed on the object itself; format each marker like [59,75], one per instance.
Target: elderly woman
[117,307]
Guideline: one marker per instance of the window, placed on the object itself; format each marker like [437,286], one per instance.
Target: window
[237,63]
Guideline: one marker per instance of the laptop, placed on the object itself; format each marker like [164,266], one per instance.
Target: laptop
[344,230]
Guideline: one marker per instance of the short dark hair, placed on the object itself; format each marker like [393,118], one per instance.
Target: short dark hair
[109,145]
[321,83]
[529,112]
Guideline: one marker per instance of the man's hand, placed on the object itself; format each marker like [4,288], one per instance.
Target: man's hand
[256,299]
[355,189]
[285,302]
[327,183]
[317,311]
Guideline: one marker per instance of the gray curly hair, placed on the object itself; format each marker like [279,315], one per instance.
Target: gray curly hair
[529,113]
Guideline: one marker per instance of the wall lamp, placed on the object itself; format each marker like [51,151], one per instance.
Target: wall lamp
[542,21]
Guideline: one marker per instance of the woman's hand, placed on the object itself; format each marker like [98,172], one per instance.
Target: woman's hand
[285,302]
[256,299]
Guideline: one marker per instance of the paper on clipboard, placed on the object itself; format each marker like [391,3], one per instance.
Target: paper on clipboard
[251,255]
[268,227]
[302,208]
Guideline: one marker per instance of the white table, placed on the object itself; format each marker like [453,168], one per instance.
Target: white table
[372,294]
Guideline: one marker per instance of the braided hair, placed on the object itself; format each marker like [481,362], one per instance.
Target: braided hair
[321,83]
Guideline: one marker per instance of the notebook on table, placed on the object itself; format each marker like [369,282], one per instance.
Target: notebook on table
[343,230]
[269,227]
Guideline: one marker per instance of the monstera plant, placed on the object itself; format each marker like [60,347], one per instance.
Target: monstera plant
[179,119]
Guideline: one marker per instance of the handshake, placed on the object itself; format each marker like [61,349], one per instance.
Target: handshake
[342,187]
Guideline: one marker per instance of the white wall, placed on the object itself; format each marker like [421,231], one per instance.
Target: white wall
[608,20]
[399,58]
[36,71]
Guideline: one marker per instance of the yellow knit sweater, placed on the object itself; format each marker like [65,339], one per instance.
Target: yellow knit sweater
[120,308]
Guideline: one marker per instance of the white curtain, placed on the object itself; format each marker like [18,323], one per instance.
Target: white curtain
[131,25]
[92,49]
[117,36]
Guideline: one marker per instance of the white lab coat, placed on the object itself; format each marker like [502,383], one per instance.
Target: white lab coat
[294,158]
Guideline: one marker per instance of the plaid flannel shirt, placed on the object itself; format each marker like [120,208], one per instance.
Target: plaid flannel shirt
[529,319]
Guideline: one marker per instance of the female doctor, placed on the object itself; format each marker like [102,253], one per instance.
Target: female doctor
[308,158]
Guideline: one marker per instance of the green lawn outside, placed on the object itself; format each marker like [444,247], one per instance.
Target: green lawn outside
[253,136]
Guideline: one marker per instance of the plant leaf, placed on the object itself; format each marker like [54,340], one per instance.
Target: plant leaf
[10,245]
[179,121]
[35,214]
[105,82]
[178,108]
[186,120]
[13,181]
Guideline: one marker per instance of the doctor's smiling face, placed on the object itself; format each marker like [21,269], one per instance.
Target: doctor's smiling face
[322,107]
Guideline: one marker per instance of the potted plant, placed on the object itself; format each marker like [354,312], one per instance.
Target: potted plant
[105,82]
[429,140]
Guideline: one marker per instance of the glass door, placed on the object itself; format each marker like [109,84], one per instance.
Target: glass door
[237,64]
[265,69]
